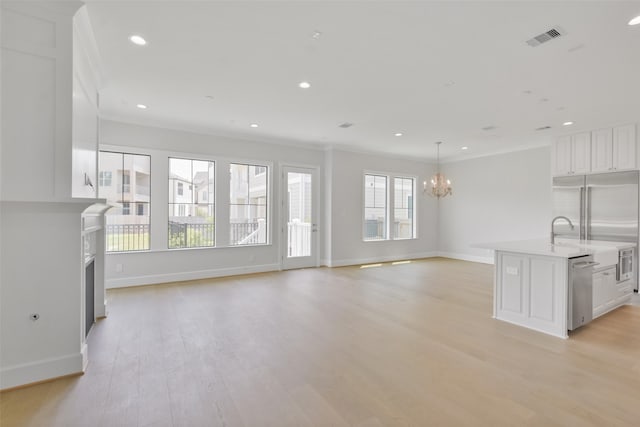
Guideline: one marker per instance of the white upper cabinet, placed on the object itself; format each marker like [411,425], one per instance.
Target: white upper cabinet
[562,156]
[572,154]
[614,149]
[603,150]
[581,153]
[624,147]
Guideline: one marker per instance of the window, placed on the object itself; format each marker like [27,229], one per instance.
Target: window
[126,229]
[104,179]
[248,204]
[403,220]
[191,203]
[126,182]
[375,207]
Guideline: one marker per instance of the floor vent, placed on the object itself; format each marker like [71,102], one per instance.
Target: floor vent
[545,37]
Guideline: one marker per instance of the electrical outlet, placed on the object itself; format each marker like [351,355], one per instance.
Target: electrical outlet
[118,268]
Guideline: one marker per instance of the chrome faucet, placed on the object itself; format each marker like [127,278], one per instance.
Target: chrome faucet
[553,222]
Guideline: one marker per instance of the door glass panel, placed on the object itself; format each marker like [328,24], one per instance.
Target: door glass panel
[299,217]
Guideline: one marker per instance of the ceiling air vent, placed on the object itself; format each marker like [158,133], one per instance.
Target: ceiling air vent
[545,37]
[544,128]
[345,125]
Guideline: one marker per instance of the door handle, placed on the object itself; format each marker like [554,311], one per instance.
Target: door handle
[585,264]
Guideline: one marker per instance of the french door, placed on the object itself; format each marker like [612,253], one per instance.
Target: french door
[300,225]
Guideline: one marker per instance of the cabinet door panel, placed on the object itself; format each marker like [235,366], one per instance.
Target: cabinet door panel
[602,150]
[562,155]
[624,147]
[581,153]
[599,291]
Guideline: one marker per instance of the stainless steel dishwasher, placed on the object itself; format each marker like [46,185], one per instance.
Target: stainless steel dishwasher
[580,305]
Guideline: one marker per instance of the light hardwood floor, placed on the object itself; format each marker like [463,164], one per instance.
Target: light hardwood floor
[410,344]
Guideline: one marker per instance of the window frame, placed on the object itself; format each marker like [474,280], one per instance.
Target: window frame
[268,172]
[123,153]
[364,206]
[181,206]
[414,180]
[390,205]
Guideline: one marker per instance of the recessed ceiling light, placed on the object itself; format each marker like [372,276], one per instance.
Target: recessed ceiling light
[567,123]
[464,148]
[316,35]
[141,106]
[635,21]
[398,134]
[254,125]
[209,96]
[304,85]
[139,40]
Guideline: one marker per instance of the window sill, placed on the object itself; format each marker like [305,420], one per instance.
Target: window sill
[389,240]
[187,249]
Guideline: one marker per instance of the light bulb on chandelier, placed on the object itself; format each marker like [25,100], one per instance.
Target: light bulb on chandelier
[439,186]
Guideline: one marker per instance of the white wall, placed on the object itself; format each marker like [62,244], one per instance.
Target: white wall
[345,244]
[495,198]
[160,264]
[41,265]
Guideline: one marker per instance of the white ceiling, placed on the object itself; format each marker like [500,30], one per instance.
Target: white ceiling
[435,71]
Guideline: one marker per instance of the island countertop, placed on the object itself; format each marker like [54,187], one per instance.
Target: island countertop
[563,248]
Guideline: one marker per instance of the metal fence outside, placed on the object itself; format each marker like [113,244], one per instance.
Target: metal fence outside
[186,235]
[244,233]
[127,237]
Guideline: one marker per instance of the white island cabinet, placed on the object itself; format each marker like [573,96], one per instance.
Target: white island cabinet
[531,290]
[532,287]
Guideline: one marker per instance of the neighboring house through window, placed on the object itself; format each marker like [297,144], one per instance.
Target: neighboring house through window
[126,229]
[104,179]
[375,207]
[403,212]
[248,207]
[383,213]
[191,203]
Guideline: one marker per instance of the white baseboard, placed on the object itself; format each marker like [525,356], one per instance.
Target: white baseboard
[371,260]
[27,373]
[466,257]
[152,279]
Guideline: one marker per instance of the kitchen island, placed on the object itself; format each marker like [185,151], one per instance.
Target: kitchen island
[534,282]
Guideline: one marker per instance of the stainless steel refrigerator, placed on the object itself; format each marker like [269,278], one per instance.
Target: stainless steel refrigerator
[601,206]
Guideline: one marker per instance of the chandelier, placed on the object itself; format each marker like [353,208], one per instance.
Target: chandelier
[439,186]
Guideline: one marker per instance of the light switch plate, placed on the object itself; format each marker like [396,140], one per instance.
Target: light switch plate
[513,271]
